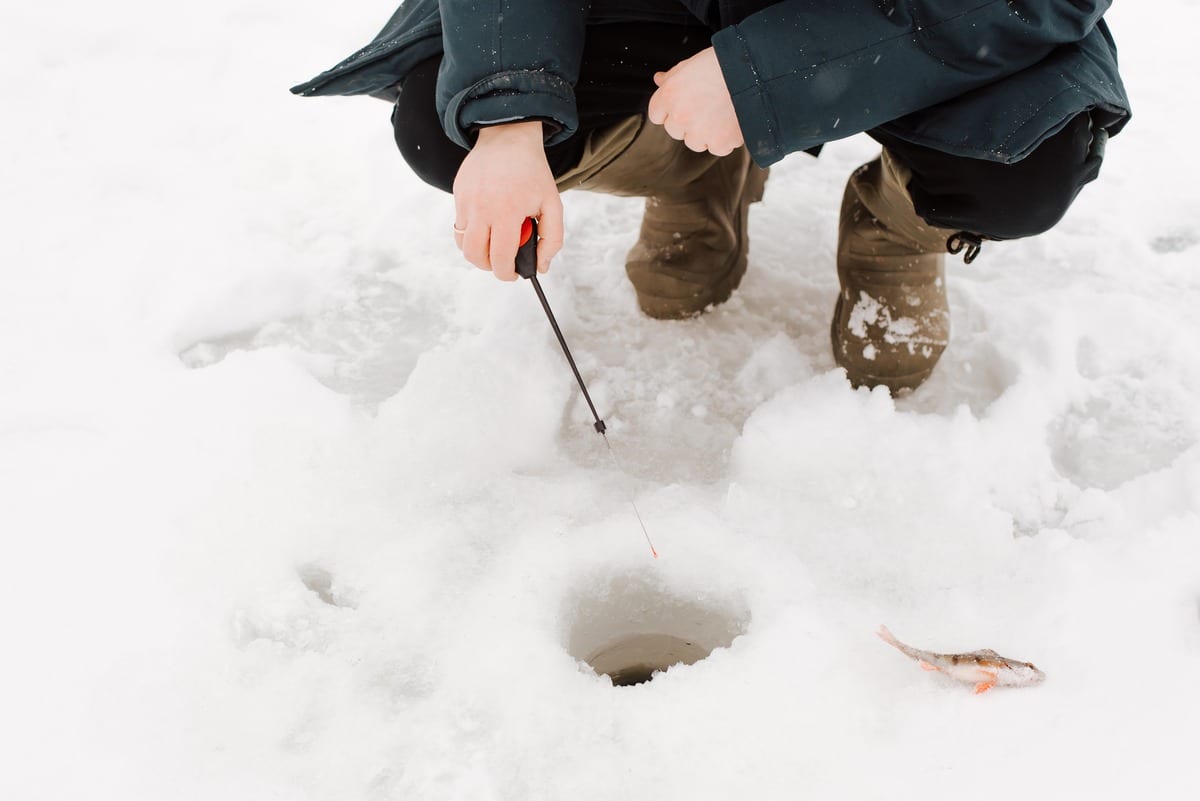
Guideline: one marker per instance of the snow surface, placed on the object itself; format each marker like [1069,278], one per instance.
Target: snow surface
[298,505]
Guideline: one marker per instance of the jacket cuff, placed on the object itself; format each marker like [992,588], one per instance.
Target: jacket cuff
[510,97]
[755,114]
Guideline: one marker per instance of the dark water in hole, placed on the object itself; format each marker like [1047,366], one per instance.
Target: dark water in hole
[635,659]
[637,674]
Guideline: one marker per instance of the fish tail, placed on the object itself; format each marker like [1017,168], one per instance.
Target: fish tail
[887,636]
[907,650]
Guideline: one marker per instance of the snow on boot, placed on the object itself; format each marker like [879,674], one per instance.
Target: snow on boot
[892,321]
[692,249]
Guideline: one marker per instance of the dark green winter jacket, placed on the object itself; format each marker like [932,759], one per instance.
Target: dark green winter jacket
[987,79]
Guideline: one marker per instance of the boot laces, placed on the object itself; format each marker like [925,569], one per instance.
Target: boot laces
[965,240]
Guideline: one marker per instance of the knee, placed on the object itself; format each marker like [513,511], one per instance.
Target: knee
[418,131]
[423,153]
[1031,210]
[1011,201]
[1032,200]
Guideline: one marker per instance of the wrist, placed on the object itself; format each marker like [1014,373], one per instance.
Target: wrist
[524,131]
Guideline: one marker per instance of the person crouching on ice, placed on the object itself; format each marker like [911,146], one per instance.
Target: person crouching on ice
[992,117]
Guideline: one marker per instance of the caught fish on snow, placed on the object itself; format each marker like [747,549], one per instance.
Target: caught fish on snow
[985,669]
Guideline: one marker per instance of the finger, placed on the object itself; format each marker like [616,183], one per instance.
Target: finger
[724,146]
[674,128]
[550,226]
[502,251]
[459,230]
[657,111]
[475,246]
[462,220]
[659,77]
[695,145]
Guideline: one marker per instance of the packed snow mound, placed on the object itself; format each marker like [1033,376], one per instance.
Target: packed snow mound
[301,506]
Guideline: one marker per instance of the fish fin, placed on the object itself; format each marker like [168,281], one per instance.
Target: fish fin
[987,651]
[886,635]
[987,680]
[927,666]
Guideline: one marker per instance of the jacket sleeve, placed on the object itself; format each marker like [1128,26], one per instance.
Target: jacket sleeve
[804,72]
[508,60]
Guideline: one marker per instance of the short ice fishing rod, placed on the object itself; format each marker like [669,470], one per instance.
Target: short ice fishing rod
[527,268]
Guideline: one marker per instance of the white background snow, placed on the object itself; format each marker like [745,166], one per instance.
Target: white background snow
[296,504]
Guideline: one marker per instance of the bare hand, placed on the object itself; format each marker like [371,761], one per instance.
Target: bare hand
[692,103]
[503,180]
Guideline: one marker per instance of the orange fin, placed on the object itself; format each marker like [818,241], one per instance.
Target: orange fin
[984,686]
[927,666]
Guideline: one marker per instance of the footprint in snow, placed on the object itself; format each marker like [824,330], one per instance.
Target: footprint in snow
[1127,427]
[319,581]
[1175,241]
[363,344]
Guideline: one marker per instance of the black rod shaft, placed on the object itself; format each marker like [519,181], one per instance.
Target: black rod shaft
[599,426]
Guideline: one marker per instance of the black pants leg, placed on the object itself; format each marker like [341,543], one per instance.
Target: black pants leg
[615,82]
[1002,201]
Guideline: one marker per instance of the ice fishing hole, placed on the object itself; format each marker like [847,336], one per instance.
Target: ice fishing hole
[631,629]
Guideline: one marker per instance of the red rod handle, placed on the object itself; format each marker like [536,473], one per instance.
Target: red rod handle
[527,252]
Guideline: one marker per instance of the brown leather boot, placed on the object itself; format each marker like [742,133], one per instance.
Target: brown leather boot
[691,252]
[892,321]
